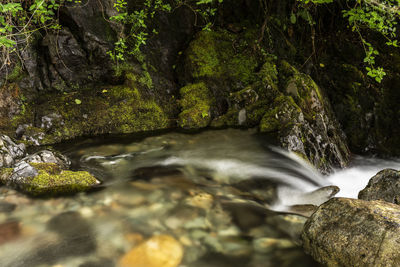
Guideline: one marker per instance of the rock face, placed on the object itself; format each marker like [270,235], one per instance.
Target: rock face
[351,232]
[385,185]
[277,97]
[10,151]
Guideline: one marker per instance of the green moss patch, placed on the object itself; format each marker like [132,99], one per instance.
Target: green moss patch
[110,109]
[52,181]
[221,55]
[196,103]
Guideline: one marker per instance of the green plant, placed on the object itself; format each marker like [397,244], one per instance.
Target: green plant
[137,30]
[377,15]
[19,22]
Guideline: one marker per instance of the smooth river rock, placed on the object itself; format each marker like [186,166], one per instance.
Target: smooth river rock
[385,185]
[352,232]
[158,251]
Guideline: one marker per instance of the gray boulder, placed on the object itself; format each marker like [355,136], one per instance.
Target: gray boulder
[352,232]
[385,185]
[10,151]
[48,156]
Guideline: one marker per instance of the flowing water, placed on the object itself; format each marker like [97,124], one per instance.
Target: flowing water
[227,196]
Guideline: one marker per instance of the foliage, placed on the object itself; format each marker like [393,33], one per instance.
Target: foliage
[377,15]
[137,30]
[19,20]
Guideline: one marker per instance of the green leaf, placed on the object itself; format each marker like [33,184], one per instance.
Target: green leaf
[293,18]
[78,101]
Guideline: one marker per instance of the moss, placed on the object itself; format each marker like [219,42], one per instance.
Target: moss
[244,97]
[229,119]
[50,168]
[256,111]
[16,74]
[269,74]
[112,109]
[196,103]
[212,55]
[5,173]
[304,90]
[52,181]
[284,114]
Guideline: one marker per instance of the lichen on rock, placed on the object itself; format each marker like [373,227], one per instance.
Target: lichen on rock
[352,232]
[385,185]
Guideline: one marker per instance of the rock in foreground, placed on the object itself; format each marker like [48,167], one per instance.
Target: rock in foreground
[46,179]
[352,232]
[385,185]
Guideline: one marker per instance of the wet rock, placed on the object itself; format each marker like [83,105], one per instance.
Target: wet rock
[351,232]
[9,231]
[304,122]
[262,189]
[35,250]
[148,173]
[234,246]
[10,151]
[266,244]
[246,215]
[75,233]
[385,185]
[305,209]
[288,225]
[158,251]
[98,263]
[7,207]
[47,179]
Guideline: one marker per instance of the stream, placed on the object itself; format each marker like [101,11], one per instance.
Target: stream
[228,196]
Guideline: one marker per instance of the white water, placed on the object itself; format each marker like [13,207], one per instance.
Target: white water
[354,178]
[231,156]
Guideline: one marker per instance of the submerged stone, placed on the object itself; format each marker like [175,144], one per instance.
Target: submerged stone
[158,251]
[385,185]
[352,232]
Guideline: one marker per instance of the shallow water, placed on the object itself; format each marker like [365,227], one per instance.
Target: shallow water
[214,192]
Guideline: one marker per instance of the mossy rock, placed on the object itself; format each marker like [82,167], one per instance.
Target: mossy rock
[197,103]
[222,55]
[284,114]
[51,180]
[124,108]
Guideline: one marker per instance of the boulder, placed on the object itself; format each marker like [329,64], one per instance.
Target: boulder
[352,232]
[45,174]
[385,185]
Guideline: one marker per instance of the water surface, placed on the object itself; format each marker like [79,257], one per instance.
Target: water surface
[225,195]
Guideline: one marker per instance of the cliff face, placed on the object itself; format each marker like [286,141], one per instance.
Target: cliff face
[292,83]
